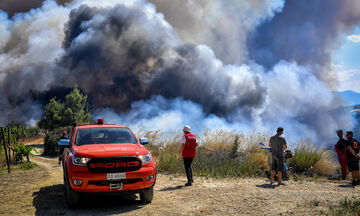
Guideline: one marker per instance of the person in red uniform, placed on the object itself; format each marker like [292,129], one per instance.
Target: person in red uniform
[340,148]
[188,151]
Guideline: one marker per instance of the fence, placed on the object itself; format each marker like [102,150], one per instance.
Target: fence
[9,137]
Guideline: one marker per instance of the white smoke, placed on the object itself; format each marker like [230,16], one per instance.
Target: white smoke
[222,25]
[159,113]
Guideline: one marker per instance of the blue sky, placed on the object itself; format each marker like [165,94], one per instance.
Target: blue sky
[346,62]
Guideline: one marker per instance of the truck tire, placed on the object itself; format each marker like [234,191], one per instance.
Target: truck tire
[147,195]
[72,197]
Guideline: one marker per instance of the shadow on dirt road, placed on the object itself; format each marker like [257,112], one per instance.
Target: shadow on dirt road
[51,200]
[172,188]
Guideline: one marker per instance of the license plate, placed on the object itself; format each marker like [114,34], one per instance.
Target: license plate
[116,186]
[115,176]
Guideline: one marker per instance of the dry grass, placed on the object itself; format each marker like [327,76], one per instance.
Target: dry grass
[259,159]
[327,165]
[219,154]
[219,140]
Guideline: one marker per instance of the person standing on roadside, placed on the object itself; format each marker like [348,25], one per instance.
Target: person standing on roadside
[61,148]
[188,151]
[277,144]
[352,146]
[340,148]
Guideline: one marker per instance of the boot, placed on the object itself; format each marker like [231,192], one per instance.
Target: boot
[354,182]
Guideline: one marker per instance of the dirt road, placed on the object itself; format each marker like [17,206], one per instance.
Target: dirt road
[41,192]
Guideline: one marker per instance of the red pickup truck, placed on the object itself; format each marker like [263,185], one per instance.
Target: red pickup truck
[106,158]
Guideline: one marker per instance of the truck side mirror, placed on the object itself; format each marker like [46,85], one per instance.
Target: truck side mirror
[64,143]
[144,141]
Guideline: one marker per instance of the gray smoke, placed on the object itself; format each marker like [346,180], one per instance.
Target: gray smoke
[204,69]
[119,55]
[306,32]
[222,25]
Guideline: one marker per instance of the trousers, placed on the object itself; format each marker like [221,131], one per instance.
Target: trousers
[342,161]
[188,170]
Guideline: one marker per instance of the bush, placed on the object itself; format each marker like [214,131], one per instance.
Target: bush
[22,151]
[304,159]
[33,131]
[51,140]
[260,160]
[27,166]
[346,207]
[327,165]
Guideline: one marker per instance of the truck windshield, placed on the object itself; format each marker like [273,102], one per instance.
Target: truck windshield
[88,136]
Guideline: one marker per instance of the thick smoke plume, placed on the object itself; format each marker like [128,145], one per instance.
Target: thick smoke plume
[203,64]
[222,25]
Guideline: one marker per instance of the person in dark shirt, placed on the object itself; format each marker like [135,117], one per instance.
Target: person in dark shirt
[340,148]
[353,157]
[277,144]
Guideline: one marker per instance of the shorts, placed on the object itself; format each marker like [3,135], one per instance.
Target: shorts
[353,164]
[277,163]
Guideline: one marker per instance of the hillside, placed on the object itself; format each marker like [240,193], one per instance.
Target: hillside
[351,98]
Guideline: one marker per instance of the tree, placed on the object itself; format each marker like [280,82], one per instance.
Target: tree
[57,114]
[76,109]
[52,115]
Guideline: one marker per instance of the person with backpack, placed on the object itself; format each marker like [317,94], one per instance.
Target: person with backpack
[188,151]
[277,144]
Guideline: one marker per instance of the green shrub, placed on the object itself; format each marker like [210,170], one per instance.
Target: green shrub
[346,207]
[51,140]
[304,159]
[33,131]
[22,151]
[27,166]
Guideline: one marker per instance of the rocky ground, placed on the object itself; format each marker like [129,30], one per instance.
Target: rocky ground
[40,191]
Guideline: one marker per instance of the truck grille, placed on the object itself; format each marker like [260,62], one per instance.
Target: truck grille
[114,164]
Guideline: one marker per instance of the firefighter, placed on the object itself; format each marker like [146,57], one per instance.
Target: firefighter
[188,151]
[61,149]
[340,148]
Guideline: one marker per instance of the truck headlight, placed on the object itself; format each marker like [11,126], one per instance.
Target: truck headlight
[80,161]
[145,158]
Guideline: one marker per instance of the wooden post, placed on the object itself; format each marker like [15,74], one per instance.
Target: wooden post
[3,140]
[9,143]
[23,133]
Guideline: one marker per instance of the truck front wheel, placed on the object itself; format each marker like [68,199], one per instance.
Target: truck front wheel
[147,195]
[72,197]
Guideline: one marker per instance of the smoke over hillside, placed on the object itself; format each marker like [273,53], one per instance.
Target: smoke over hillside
[207,64]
